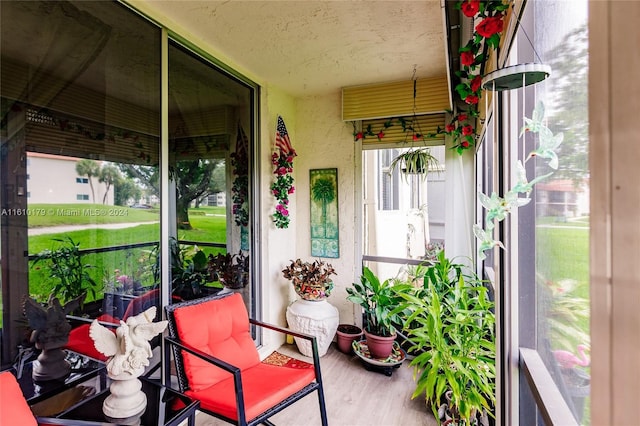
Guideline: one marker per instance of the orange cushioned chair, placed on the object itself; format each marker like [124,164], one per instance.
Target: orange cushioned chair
[14,409]
[217,362]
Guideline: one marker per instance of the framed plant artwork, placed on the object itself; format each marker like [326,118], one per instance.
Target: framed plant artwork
[324,212]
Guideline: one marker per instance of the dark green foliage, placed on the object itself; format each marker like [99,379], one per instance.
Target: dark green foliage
[450,323]
[378,300]
[189,271]
[66,267]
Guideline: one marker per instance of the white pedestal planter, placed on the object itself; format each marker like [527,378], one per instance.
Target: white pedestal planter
[126,398]
[318,318]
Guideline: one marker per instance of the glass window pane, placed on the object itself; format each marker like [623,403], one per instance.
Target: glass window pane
[554,228]
[210,124]
[80,107]
[405,216]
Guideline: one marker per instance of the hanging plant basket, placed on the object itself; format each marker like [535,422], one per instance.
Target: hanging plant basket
[414,161]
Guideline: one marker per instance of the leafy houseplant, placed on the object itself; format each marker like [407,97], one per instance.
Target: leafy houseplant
[414,161]
[188,270]
[311,280]
[65,265]
[379,301]
[232,269]
[452,328]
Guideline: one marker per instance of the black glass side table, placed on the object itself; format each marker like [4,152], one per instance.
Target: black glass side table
[165,407]
[82,369]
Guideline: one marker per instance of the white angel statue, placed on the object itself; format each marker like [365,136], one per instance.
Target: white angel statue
[129,349]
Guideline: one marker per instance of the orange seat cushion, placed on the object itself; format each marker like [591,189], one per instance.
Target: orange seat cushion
[264,386]
[81,342]
[14,409]
[219,327]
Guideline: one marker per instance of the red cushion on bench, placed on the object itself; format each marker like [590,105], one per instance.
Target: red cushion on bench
[14,409]
[264,386]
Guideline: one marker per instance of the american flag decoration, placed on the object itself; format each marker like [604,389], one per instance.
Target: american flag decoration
[282,187]
[283,143]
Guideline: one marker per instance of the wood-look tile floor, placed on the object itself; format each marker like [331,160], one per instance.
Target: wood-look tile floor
[354,396]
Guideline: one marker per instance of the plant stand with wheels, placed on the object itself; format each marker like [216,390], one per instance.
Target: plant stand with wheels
[384,366]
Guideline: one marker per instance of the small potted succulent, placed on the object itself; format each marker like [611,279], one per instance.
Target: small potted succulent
[311,280]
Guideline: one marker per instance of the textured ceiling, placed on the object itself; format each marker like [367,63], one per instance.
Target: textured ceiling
[314,47]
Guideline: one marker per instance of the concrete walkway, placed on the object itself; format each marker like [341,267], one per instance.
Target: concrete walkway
[68,228]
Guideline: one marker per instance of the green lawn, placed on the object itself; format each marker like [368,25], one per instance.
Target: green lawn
[82,214]
[209,225]
[564,254]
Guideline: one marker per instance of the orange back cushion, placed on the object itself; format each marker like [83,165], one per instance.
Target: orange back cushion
[219,327]
[14,409]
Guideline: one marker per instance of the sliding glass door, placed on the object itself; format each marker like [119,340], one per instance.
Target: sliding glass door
[82,174]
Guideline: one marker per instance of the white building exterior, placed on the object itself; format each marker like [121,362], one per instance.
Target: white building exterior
[53,179]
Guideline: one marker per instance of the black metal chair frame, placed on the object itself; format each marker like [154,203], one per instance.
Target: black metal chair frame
[176,346]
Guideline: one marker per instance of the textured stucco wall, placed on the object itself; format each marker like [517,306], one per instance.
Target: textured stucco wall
[323,140]
[276,245]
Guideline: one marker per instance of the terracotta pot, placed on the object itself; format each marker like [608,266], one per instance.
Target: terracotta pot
[380,347]
[347,333]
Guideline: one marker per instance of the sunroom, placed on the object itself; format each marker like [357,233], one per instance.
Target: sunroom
[162,151]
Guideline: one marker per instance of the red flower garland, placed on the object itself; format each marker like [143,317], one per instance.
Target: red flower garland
[461,127]
[488,30]
[282,187]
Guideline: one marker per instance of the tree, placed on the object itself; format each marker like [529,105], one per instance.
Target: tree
[125,189]
[148,176]
[192,179]
[218,182]
[323,191]
[569,114]
[89,168]
[109,175]
[218,178]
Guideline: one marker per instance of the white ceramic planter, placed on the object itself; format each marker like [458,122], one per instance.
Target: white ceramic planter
[318,318]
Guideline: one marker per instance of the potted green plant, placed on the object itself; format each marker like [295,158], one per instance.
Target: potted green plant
[414,161]
[450,324]
[231,269]
[379,301]
[189,271]
[65,266]
[311,280]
